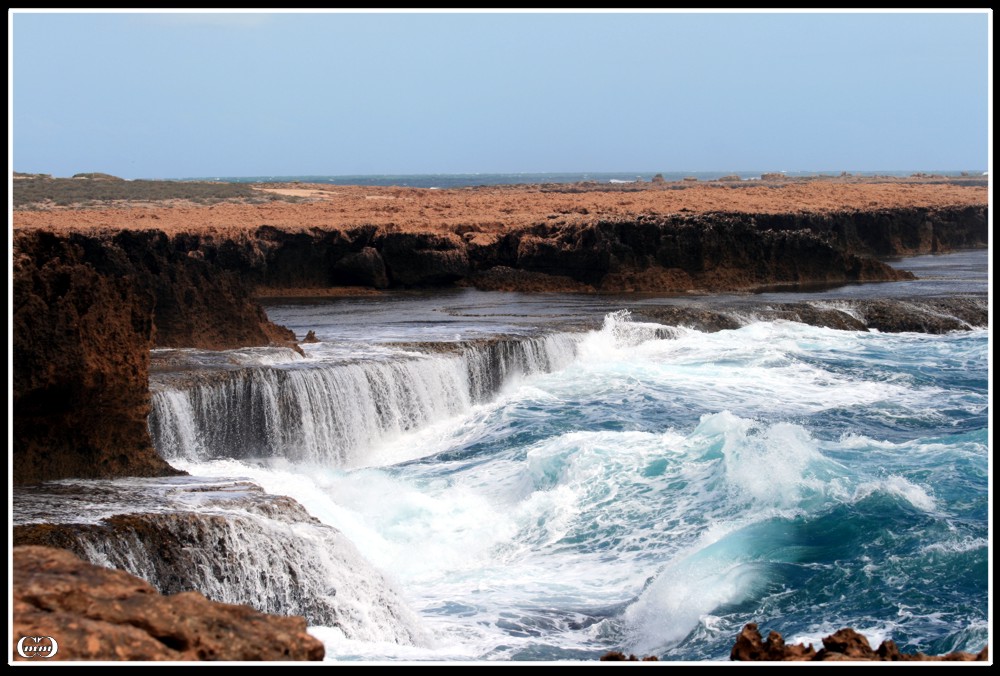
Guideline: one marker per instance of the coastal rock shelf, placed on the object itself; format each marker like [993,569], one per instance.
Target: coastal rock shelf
[96,289]
[228,540]
[103,614]
[712,252]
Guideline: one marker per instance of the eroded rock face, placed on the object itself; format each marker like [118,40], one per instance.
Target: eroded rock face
[363,268]
[842,646]
[87,310]
[643,252]
[424,259]
[98,613]
[82,336]
[228,540]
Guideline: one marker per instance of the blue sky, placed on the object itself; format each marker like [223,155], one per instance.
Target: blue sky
[154,95]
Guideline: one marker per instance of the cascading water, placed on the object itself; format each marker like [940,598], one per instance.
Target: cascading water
[639,486]
[331,412]
[232,542]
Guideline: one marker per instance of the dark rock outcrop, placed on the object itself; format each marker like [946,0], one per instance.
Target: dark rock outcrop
[364,268]
[842,646]
[101,614]
[893,232]
[82,336]
[616,656]
[424,259]
[87,310]
[646,253]
[938,315]
[711,252]
[929,315]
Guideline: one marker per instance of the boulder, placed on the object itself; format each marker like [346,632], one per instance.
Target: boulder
[96,613]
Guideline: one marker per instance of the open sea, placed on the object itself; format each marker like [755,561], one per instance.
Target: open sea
[469,180]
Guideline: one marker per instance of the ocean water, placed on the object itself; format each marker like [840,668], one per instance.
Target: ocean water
[548,478]
[467,180]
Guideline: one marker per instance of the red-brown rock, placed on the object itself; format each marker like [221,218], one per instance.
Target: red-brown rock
[750,647]
[87,310]
[844,645]
[616,656]
[98,613]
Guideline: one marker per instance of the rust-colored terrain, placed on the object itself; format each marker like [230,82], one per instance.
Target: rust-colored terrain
[844,645]
[493,210]
[98,613]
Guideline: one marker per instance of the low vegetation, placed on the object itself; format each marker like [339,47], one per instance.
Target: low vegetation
[99,190]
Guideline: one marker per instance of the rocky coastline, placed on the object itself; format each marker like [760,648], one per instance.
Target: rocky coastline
[92,297]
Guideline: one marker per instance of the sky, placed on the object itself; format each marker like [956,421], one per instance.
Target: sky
[205,95]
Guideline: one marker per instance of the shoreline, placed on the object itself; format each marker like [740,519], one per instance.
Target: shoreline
[95,290]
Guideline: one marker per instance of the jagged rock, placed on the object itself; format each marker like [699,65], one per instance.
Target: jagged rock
[81,351]
[751,647]
[615,656]
[98,613]
[847,642]
[845,645]
[310,337]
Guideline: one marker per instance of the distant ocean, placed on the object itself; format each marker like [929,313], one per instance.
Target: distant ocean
[468,180]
